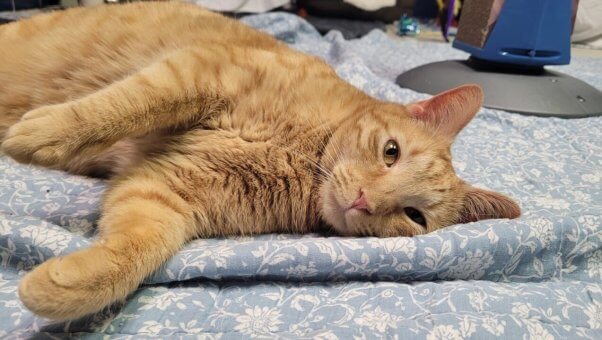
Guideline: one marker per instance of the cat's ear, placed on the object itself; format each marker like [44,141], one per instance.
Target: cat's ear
[448,113]
[481,204]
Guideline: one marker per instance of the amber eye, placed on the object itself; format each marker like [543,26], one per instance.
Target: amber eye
[391,152]
[416,216]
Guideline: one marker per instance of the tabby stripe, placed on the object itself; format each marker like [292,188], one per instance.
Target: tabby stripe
[179,79]
[373,139]
[147,195]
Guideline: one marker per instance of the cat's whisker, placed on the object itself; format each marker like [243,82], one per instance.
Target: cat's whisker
[334,159]
[308,159]
[337,152]
[323,145]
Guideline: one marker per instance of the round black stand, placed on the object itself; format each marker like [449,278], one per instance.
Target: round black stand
[526,90]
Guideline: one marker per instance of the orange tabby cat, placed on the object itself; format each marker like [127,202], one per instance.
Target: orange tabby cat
[207,128]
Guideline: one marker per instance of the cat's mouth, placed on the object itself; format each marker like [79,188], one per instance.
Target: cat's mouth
[334,211]
[343,208]
[343,211]
[351,206]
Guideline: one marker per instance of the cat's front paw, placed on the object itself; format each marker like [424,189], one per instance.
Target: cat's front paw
[61,289]
[41,294]
[42,137]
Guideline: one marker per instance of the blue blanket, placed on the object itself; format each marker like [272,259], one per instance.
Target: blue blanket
[536,277]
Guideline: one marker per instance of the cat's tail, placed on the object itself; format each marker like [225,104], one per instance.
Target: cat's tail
[143,224]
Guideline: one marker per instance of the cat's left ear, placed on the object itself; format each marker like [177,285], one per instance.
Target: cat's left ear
[480,204]
[448,113]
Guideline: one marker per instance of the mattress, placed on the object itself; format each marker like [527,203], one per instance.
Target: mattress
[539,276]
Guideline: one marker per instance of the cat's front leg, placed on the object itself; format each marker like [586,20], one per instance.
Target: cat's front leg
[183,88]
[151,99]
[143,224]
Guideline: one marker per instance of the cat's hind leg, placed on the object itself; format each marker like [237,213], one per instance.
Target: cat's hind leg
[143,224]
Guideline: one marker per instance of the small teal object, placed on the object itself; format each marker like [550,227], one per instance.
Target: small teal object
[408,26]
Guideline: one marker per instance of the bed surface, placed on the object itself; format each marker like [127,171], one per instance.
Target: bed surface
[539,276]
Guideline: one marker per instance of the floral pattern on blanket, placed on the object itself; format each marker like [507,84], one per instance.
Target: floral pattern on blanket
[538,277]
[362,310]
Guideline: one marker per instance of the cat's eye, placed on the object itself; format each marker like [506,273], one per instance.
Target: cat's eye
[391,152]
[415,215]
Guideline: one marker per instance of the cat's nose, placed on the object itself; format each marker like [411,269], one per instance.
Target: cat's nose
[361,202]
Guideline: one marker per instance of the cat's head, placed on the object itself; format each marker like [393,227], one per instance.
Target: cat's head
[391,170]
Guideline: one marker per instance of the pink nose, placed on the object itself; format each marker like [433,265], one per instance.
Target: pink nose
[360,203]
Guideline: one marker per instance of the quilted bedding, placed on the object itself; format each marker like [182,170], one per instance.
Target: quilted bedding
[536,277]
